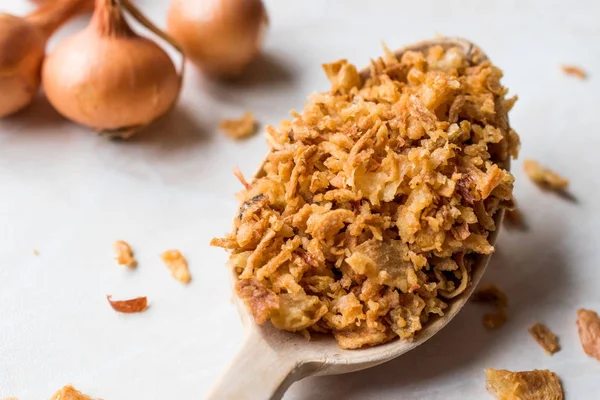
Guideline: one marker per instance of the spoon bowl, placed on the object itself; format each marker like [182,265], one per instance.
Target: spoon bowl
[272,359]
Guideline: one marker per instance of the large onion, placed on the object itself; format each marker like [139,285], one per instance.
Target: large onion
[221,37]
[86,6]
[22,47]
[108,77]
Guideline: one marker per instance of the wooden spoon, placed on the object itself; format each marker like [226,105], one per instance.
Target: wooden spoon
[272,359]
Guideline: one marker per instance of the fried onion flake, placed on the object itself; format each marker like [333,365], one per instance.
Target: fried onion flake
[130,306]
[124,254]
[68,392]
[526,385]
[544,176]
[588,324]
[240,128]
[545,337]
[375,201]
[177,264]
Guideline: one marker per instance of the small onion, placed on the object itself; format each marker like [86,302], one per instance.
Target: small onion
[22,47]
[220,37]
[108,77]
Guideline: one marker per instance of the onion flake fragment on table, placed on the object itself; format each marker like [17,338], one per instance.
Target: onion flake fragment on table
[130,306]
[68,392]
[588,324]
[526,385]
[241,128]
[544,177]
[124,254]
[545,337]
[574,71]
[177,264]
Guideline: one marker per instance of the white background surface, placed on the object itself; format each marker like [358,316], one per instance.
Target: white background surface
[70,194]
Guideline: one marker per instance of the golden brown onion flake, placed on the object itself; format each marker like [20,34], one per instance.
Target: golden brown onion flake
[124,254]
[376,199]
[342,75]
[526,385]
[241,128]
[70,393]
[545,337]
[130,306]
[588,324]
[491,294]
[177,264]
[261,302]
[544,176]
[574,71]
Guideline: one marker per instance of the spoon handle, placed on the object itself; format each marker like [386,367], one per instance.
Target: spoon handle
[258,372]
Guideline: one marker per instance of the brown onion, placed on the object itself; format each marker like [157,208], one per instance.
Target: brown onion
[22,47]
[108,77]
[220,37]
[87,5]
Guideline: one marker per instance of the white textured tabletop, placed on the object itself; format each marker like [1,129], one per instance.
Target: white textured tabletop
[70,194]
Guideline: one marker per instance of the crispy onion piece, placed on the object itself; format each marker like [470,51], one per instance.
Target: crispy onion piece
[136,305]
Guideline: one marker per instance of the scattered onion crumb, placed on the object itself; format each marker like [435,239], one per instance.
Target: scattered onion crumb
[526,385]
[545,337]
[177,264]
[36,252]
[491,294]
[70,393]
[574,71]
[544,176]
[239,128]
[588,324]
[124,254]
[136,305]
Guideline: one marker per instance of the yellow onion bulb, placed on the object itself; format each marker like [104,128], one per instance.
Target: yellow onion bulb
[87,5]
[22,48]
[221,37]
[109,78]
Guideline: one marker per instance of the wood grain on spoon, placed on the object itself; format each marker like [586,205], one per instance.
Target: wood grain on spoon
[271,359]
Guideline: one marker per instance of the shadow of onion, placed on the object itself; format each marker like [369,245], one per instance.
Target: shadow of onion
[39,114]
[267,73]
[265,70]
[178,129]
